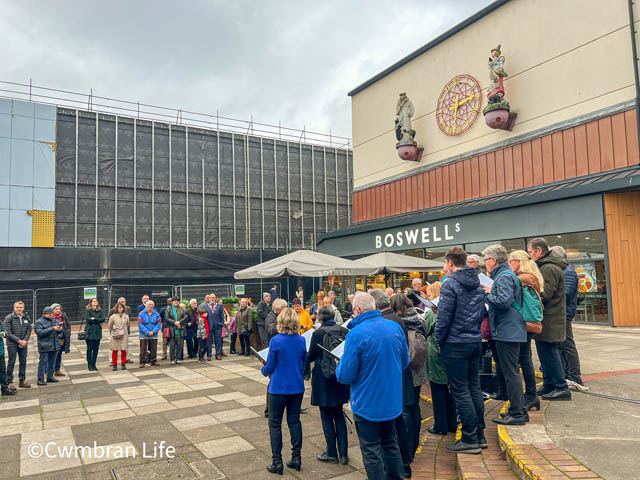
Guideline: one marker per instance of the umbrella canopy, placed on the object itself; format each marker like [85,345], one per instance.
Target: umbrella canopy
[396,262]
[306,263]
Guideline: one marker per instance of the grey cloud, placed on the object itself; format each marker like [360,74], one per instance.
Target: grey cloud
[289,60]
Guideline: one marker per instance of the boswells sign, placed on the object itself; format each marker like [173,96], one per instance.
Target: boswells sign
[420,236]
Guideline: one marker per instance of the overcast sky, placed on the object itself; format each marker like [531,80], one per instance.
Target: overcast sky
[292,61]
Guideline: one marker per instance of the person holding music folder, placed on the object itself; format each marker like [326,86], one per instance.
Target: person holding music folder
[327,393]
[287,353]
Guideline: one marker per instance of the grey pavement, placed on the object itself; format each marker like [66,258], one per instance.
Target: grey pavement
[603,434]
[211,413]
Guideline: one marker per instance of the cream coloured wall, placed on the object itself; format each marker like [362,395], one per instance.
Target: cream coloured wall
[564,59]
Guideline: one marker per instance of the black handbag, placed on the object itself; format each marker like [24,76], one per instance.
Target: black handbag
[82,335]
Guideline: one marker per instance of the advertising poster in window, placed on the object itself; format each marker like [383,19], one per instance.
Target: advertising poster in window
[587,281]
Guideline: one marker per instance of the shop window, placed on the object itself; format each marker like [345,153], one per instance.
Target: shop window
[585,252]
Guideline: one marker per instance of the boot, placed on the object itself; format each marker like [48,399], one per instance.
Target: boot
[59,374]
[276,467]
[295,462]
[124,366]
[13,388]
[114,367]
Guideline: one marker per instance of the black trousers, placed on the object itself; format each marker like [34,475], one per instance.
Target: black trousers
[14,351]
[334,427]
[202,347]
[412,420]
[232,344]
[502,388]
[462,362]
[402,436]
[192,346]
[379,447]
[509,353]
[92,352]
[569,355]
[245,344]
[3,374]
[444,409]
[277,406]
[45,365]
[528,372]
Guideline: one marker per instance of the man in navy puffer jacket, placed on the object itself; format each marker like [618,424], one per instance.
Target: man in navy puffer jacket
[460,314]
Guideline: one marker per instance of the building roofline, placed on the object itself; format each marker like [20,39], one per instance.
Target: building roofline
[436,41]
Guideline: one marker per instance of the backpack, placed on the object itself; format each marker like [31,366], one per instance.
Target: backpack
[417,343]
[334,336]
[531,308]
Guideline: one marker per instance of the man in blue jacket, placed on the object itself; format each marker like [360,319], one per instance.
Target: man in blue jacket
[569,351]
[507,328]
[215,317]
[375,354]
[460,314]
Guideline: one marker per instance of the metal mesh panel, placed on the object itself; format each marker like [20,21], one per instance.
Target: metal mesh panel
[240,193]
[269,195]
[134,293]
[125,153]
[226,189]
[307,197]
[143,155]
[179,219]
[107,150]
[330,169]
[65,214]
[71,299]
[282,194]
[295,212]
[143,218]
[254,192]
[66,146]
[106,215]
[343,189]
[187,292]
[9,297]
[125,217]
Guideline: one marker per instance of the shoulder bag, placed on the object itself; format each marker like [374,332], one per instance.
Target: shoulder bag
[82,334]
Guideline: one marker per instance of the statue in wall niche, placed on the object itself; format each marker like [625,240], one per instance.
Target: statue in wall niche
[404,111]
[497,113]
[407,147]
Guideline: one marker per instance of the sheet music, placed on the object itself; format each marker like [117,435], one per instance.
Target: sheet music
[307,337]
[484,280]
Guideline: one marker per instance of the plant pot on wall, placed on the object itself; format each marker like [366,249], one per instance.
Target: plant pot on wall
[499,116]
[409,151]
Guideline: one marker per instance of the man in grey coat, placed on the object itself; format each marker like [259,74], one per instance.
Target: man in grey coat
[262,309]
[18,328]
[47,329]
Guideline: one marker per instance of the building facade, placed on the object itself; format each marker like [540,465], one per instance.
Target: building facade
[568,170]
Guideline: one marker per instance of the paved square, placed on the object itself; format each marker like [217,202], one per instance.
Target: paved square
[210,412]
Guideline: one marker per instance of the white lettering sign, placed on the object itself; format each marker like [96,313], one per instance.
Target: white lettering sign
[421,236]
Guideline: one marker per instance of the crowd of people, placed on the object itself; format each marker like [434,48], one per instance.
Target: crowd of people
[394,344]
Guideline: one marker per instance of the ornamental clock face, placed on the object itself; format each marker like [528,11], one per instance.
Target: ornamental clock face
[458,105]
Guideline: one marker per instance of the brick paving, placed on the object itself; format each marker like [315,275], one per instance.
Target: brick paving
[211,412]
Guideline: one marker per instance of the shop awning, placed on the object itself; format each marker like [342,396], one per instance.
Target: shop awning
[398,263]
[306,263]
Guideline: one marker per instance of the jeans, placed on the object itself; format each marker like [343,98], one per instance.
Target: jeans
[402,436]
[528,373]
[462,363]
[245,346]
[45,365]
[176,347]
[21,353]
[379,447]
[232,345]
[570,357]
[92,352]
[3,375]
[217,339]
[509,353]
[58,362]
[277,405]
[552,371]
[411,416]
[264,337]
[444,409]
[334,427]
[148,350]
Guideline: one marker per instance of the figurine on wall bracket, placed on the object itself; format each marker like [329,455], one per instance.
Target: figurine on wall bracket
[407,147]
[497,114]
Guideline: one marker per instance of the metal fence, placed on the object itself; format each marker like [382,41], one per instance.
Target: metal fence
[9,297]
[186,292]
[134,293]
[71,298]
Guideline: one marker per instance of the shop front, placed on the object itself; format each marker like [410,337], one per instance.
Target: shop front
[577,224]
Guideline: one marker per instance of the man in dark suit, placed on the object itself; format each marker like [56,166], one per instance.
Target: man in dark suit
[215,317]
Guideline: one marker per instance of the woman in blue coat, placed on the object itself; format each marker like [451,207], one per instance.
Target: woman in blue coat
[287,353]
